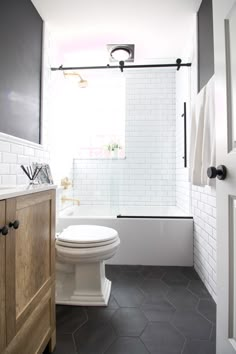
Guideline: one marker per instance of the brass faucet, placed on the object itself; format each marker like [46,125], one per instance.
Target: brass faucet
[66,199]
[65,183]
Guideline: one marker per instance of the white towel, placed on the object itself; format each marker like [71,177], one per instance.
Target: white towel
[202,138]
[208,144]
[192,140]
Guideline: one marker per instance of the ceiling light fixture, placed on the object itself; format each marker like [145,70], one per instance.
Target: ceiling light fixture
[121,52]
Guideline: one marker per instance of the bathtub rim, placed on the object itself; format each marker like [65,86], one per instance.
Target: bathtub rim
[69,213]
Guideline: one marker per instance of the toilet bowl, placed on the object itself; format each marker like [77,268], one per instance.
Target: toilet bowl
[80,271]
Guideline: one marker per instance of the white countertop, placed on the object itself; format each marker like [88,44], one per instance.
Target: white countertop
[16,191]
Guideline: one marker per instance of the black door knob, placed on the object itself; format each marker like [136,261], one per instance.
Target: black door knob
[4,230]
[220,172]
[15,224]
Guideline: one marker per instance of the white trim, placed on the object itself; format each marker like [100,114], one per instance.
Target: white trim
[16,140]
[99,158]
[43,68]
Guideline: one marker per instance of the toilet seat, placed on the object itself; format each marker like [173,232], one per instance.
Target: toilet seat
[87,236]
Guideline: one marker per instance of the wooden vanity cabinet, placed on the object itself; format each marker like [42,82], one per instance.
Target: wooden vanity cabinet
[2,280]
[27,268]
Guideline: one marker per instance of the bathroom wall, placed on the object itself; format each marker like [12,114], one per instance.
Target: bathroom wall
[205,43]
[20,70]
[147,174]
[14,151]
[202,200]
[204,213]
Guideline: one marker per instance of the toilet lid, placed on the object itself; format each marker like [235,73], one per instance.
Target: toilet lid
[87,236]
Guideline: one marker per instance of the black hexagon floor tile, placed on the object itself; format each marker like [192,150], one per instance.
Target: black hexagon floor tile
[213,335]
[133,268]
[199,347]
[116,329]
[208,309]
[127,345]
[129,322]
[198,288]
[190,273]
[175,278]
[182,299]
[112,304]
[64,344]
[172,268]
[128,296]
[69,318]
[99,314]
[128,278]
[153,287]
[94,337]
[153,272]
[102,313]
[157,309]
[163,338]
[192,325]
[112,271]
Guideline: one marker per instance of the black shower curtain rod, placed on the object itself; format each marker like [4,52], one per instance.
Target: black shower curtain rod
[122,66]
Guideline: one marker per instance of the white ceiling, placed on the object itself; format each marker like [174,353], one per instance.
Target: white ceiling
[82,28]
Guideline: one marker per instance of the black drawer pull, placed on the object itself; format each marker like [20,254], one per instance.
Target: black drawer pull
[15,224]
[4,230]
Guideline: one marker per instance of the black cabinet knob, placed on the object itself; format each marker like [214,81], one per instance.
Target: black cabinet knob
[4,230]
[220,172]
[15,224]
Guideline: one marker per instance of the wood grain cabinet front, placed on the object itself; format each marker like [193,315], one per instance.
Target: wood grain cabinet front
[2,278]
[28,322]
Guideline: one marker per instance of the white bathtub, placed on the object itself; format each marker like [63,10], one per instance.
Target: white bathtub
[149,235]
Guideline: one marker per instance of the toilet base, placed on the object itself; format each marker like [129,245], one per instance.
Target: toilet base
[85,286]
[93,299]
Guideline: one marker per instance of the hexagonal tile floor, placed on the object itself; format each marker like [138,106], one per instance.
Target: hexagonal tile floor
[152,310]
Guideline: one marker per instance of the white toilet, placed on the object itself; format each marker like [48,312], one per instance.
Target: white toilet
[80,271]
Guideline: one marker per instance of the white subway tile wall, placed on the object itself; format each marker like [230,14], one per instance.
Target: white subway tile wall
[200,202]
[204,213]
[147,175]
[10,170]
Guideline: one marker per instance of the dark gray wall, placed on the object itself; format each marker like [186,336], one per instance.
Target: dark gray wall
[205,43]
[20,69]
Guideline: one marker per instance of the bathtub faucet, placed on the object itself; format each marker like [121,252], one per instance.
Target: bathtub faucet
[66,199]
[65,183]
